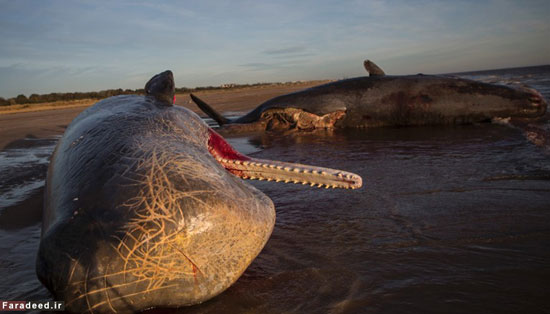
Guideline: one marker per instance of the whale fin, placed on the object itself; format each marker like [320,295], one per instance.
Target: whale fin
[162,87]
[209,111]
[373,69]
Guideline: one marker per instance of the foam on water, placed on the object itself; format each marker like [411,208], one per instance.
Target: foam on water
[22,166]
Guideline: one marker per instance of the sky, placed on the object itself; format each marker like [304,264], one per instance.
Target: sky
[67,46]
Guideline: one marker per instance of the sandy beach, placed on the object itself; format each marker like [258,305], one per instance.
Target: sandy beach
[48,123]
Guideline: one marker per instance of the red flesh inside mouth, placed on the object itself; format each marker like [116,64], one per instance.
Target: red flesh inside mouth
[259,169]
[219,148]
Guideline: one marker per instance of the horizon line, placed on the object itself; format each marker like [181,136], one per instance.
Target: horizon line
[278,82]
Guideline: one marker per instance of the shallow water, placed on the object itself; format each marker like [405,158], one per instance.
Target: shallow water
[23,165]
[450,219]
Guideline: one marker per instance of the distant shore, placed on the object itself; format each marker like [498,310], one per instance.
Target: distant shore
[64,104]
[50,119]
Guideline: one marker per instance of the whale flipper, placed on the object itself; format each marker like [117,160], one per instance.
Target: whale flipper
[373,69]
[210,111]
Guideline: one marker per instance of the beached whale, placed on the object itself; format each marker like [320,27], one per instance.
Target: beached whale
[145,206]
[383,100]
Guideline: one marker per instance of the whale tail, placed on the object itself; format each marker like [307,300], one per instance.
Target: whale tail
[211,112]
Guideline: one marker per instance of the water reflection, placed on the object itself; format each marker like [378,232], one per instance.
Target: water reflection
[430,231]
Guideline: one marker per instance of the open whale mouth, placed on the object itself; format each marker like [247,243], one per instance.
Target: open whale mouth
[252,168]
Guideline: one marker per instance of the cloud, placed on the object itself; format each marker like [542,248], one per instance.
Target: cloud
[108,44]
[285,51]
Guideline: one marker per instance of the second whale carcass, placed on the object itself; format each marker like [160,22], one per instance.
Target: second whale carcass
[384,100]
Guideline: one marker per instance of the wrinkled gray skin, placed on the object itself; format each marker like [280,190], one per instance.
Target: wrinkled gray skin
[138,214]
[380,100]
[140,210]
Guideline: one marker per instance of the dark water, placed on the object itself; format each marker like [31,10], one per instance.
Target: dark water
[450,219]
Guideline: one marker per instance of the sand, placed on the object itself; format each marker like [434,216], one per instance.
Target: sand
[49,123]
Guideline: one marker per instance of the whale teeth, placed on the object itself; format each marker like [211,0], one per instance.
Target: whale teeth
[296,170]
[304,182]
[314,171]
[265,165]
[287,180]
[278,180]
[288,169]
[324,173]
[245,163]
[312,184]
[305,171]
[269,179]
[271,166]
[279,167]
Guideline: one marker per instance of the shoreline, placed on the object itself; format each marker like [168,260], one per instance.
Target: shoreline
[52,122]
[65,104]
